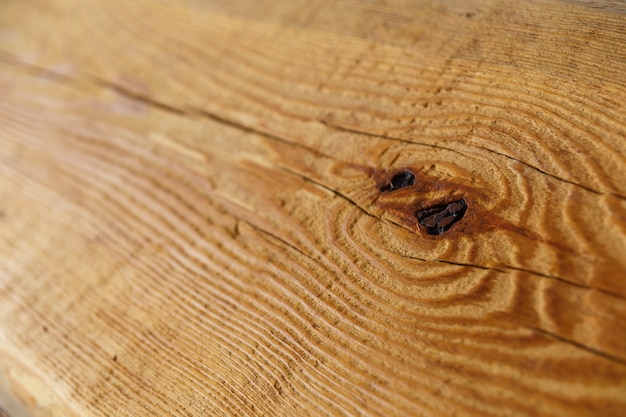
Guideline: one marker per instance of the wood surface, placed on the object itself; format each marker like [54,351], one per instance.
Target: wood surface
[199,217]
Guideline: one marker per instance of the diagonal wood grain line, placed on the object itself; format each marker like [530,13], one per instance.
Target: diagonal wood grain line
[608,356]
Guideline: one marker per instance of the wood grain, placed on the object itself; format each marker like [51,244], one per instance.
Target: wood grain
[194,218]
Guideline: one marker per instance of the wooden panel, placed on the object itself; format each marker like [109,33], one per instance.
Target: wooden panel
[239,207]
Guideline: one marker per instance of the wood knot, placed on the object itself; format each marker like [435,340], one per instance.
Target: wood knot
[440,218]
[400,180]
[428,204]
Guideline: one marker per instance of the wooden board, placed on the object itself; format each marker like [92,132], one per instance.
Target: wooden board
[302,208]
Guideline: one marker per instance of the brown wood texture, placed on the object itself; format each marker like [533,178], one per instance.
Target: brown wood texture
[196,217]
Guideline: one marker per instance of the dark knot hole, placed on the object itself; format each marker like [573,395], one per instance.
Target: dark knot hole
[439,219]
[400,180]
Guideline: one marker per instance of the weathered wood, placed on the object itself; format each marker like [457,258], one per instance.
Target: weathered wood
[198,214]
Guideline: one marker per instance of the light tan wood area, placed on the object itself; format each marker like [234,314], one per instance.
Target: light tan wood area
[311,208]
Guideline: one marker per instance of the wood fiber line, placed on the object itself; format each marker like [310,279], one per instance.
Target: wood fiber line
[196,217]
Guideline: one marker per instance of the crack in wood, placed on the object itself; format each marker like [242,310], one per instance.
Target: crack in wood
[613,358]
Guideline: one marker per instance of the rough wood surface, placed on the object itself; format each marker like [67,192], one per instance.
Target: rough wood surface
[196,215]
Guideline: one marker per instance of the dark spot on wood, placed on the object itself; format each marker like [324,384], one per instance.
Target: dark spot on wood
[428,191]
[400,180]
[114,358]
[45,329]
[440,218]
[278,388]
